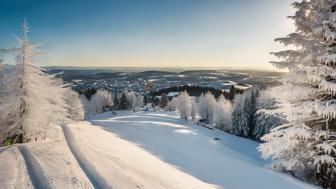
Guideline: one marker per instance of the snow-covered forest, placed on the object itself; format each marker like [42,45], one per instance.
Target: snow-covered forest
[283,136]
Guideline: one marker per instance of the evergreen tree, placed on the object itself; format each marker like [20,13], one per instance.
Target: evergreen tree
[31,101]
[123,103]
[266,116]
[163,101]
[193,111]
[306,145]
[232,92]
[115,102]
[241,118]
[252,108]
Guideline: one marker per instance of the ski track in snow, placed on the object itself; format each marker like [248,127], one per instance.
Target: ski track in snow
[95,178]
[34,169]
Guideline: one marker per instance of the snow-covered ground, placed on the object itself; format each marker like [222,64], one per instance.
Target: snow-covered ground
[139,150]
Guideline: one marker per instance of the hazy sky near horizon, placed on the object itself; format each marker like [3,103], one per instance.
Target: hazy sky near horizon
[153,33]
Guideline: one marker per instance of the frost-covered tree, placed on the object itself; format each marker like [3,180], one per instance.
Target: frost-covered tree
[86,105]
[266,116]
[206,107]
[184,105]
[243,114]
[193,110]
[172,105]
[31,101]
[223,114]
[240,116]
[140,101]
[232,92]
[115,101]
[123,103]
[99,102]
[132,100]
[306,145]
[75,106]
[163,101]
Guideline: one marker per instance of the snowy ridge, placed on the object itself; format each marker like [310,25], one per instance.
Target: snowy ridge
[36,173]
[96,179]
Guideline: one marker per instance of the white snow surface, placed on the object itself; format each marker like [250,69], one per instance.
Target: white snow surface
[139,150]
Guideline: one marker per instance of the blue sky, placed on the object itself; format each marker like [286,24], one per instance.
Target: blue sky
[190,33]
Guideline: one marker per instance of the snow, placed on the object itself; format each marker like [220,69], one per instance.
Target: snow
[139,150]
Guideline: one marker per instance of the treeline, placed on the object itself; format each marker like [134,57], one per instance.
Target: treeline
[103,100]
[245,116]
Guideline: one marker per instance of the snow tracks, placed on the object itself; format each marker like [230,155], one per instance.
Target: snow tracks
[96,179]
[36,174]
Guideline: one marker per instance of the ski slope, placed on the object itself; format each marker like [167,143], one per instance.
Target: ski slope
[139,150]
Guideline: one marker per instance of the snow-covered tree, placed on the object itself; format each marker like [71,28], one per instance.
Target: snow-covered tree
[140,101]
[75,106]
[31,101]
[115,101]
[193,110]
[310,90]
[86,105]
[184,105]
[163,101]
[266,116]
[132,100]
[223,114]
[243,114]
[123,103]
[99,101]
[206,107]
[232,92]
[240,116]
[172,105]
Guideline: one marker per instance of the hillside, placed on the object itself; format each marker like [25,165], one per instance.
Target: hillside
[139,150]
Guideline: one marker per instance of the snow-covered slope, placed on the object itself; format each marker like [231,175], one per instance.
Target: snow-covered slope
[139,150]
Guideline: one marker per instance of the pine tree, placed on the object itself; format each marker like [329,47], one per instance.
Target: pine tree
[266,116]
[232,92]
[123,103]
[241,118]
[115,102]
[308,141]
[252,108]
[31,101]
[193,111]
